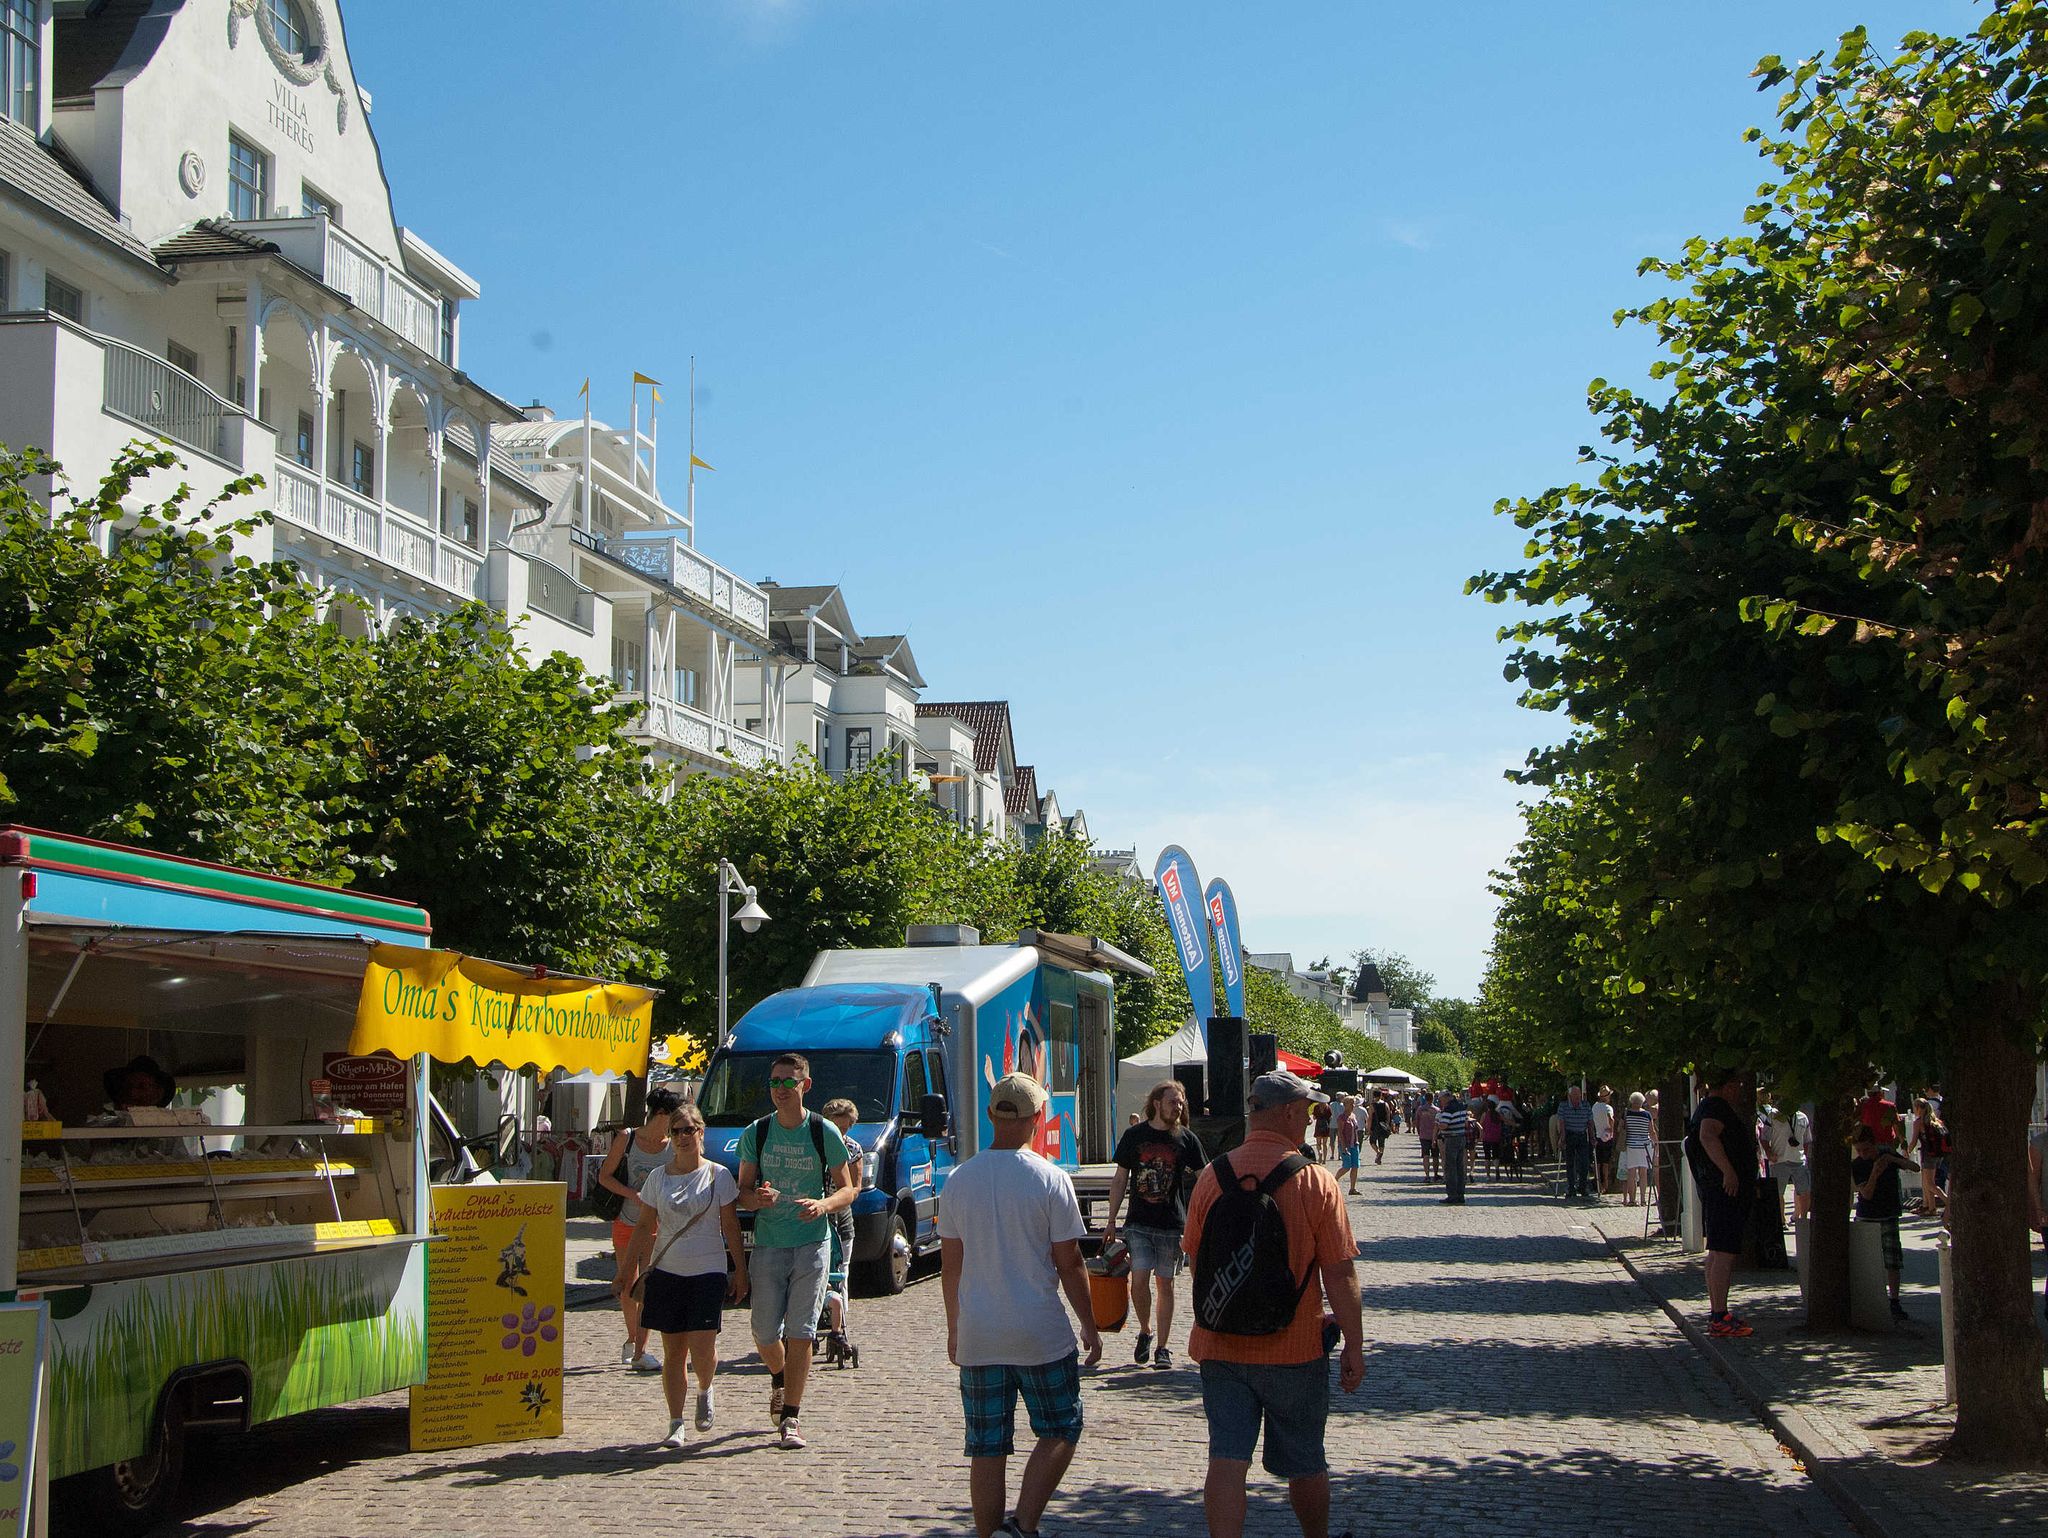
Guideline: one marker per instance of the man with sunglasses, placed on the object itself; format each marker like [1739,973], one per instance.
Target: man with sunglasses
[795,1173]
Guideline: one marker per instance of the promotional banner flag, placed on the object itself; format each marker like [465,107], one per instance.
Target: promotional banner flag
[1179,890]
[1229,949]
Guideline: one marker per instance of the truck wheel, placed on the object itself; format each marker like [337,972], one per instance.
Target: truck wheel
[890,1274]
[133,1496]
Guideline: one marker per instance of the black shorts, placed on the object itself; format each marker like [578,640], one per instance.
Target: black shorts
[1604,1151]
[1726,1217]
[681,1305]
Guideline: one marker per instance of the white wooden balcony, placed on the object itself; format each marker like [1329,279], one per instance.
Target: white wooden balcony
[687,729]
[666,558]
[384,533]
[344,263]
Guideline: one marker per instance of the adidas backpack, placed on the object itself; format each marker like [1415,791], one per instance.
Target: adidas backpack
[1243,1282]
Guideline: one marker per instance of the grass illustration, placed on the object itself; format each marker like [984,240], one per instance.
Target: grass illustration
[313,1333]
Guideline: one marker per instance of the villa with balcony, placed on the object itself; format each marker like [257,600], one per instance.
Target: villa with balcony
[197,244]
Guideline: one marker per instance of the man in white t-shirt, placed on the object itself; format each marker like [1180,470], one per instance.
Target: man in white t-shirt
[1010,1243]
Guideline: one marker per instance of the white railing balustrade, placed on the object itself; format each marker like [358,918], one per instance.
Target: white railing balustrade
[665,558]
[461,571]
[151,393]
[346,265]
[295,494]
[408,547]
[301,497]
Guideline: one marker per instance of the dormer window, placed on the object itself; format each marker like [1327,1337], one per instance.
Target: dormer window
[21,61]
[289,26]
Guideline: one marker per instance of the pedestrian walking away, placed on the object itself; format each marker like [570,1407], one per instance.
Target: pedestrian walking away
[1875,1172]
[1720,1148]
[1604,1145]
[632,1157]
[1453,1121]
[1379,1122]
[794,1175]
[1575,1118]
[1264,1228]
[1425,1134]
[1157,1161]
[1637,1146]
[1349,1142]
[689,1228]
[1325,1132]
[1010,1244]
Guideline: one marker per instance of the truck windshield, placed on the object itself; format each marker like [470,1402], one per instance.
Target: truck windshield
[736,1090]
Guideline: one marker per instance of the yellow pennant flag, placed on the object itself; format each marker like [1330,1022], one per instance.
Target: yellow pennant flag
[700,464]
[585,391]
[639,378]
[657,397]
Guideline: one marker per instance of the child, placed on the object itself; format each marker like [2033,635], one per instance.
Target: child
[1348,1140]
[842,1114]
[1876,1174]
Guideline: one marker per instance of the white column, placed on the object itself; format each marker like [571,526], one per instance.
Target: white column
[250,364]
[437,450]
[483,477]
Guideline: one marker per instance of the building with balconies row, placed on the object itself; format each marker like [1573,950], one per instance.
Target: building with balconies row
[197,243]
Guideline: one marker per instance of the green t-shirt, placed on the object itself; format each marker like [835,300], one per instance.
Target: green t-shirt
[789,1163]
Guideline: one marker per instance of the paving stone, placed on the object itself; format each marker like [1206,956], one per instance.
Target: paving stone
[1517,1382]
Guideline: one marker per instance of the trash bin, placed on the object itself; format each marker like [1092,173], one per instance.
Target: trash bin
[1109,1285]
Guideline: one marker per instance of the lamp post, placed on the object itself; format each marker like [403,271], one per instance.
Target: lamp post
[751,916]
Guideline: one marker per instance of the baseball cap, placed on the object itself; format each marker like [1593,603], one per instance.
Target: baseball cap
[1281,1087]
[1015,1097]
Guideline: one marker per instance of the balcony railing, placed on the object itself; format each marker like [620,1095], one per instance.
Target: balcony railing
[151,393]
[556,594]
[664,557]
[299,496]
[371,283]
[676,725]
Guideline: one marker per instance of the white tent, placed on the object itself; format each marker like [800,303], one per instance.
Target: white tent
[1393,1076]
[1136,1075]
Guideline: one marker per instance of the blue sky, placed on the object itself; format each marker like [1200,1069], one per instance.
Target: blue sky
[1155,366]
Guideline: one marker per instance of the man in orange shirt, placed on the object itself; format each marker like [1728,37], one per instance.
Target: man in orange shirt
[1280,1379]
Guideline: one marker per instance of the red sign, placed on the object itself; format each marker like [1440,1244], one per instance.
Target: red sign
[366,1083]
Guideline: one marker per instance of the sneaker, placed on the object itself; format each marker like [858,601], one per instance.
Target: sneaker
[1162,1358]
[792,1434]
[1899,1310]
[1728,1327]
[628,1351]
[1010,1529]
[703,1409]
[775,1397]
[646,1361]
[677,1436]
[1144,1352]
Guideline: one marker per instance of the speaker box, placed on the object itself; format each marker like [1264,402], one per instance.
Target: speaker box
[1338,1081]
[1227,1081]
[1262,1051]
[1189,1077]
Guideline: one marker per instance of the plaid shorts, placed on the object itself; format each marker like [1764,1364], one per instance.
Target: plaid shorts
[1052,1398]
[1888,1242]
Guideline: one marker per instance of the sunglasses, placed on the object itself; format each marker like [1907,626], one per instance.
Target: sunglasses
[684,1130]
[785,1083]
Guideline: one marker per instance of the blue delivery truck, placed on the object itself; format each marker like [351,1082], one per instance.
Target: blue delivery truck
[914,1036]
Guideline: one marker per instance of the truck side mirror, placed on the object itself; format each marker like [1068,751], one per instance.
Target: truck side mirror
[932,1116]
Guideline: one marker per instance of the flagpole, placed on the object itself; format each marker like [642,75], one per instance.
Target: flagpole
[589,476]
[633,435]
[693,451]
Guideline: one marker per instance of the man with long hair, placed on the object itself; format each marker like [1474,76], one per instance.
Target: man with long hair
[1156,1161]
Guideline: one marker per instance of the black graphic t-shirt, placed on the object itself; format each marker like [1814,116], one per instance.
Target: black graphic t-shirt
[1161,1166]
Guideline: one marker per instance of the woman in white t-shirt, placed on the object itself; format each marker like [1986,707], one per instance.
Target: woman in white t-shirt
[688,1230]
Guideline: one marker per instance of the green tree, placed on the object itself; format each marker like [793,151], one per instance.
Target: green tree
[502,794]
[171,693]
[1792,618]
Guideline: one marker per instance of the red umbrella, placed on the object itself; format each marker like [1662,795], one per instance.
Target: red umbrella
[1294,1063]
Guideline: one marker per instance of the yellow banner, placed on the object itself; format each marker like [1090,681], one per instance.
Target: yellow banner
[494,1316]
[453,1007]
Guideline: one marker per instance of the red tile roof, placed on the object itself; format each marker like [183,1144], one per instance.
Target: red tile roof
[990,720]
[1020,799]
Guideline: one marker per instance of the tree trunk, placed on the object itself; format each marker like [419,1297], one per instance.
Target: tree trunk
[1671,1118]
[2001,1415]
[1827,1226]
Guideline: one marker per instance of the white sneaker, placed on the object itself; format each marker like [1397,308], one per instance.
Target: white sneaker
[677,1436]
[646,1361]
[704,1409]
[792,1434]
[627,1352]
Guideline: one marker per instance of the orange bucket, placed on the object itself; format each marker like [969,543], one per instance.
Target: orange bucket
[1110,1298]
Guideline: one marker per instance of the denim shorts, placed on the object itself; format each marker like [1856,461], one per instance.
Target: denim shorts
[1292,1401]
[1052,1398]
[1156,1250]
[789,1290]
[1348,1158]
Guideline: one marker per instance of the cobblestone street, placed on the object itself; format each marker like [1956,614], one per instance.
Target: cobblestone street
[1517,1380]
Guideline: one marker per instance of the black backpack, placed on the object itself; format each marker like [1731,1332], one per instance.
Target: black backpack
[759,1132]
[1243,1282]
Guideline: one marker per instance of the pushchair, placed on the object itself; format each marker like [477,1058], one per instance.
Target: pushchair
[833,1336]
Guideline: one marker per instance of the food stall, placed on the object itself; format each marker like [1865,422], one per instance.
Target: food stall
[211,1173]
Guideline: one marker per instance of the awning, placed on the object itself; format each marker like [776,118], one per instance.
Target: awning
[454,1008]
[1086,953]
[1295,1063]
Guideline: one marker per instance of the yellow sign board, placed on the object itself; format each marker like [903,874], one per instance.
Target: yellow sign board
[494,1316]
[453,1007]
[24,1357]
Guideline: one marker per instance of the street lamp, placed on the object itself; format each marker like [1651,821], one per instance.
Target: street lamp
[751,916]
